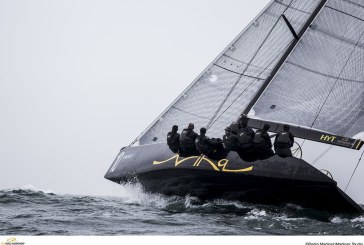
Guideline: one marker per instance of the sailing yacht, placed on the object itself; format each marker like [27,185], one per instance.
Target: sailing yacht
[298,63]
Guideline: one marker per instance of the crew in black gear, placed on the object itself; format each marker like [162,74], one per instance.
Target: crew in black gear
[235,125]
[203,143]
[230,140]
[212,148]
[283,142]
[262,143]
[245,139]
[245,136]
[187,142]
[173,139]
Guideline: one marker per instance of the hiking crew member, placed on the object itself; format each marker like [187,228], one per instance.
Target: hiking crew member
[245,136]
[173,139]
[212,148]
[234,127]
[245,142]
[230,140]
[203,143]
[283,142]
[187,141]
[262,143]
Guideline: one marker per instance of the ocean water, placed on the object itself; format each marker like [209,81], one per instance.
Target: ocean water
[28,211]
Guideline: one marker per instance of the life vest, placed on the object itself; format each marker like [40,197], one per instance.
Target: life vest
[258,139]
[230,142]
[244,138]
[173,141]
[202,144]
[186,140]
[234,127]
[173,138]
[283,138]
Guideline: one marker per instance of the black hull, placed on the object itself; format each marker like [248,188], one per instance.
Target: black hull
[274,181]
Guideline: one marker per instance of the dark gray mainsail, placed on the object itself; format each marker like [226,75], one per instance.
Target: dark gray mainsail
[229,84]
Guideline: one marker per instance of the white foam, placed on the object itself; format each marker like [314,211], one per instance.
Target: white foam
[338,220]
[256,214]
[133,193]
[358,219]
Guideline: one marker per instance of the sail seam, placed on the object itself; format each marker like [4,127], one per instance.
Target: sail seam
[355,4]
[258,78]
[279,66]
[340,11]
[250,61]
[189,113]
[286,5]
[244,63]
[338,77]
[321,73]
[202,73]
[249,85]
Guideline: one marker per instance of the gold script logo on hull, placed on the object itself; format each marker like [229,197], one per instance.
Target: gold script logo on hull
[221,166]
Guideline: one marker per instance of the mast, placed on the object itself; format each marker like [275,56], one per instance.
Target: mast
[285,55]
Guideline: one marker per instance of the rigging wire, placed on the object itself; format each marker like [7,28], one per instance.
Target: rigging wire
[338,77]
[327,79]
[266,68]
[354,170]
[321,155]
[243,73]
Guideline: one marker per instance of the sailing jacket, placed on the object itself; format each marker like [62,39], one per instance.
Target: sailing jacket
[245,136]
[261,138]
[230,142]
[187,139]
[284,138]
[173,141]
[203,144]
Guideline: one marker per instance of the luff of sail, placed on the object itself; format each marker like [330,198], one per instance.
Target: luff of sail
[321,84]
[227,86]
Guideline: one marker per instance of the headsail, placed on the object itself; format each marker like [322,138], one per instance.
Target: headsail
[227,86]
[321,84]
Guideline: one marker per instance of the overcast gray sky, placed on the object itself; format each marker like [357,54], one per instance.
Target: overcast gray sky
[80,79]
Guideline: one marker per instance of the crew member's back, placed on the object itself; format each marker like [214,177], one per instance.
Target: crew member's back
[187,141]
[245,139]
[173,139]
[230,140]
[283,142]
[262,143]
[203,143]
